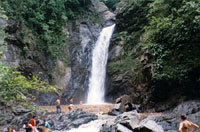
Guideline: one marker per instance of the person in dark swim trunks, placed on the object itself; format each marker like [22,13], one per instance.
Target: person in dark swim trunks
[185,125]
[58,108]
[28,127]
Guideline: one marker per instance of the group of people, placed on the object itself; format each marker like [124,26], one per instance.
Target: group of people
[70,106]
[30,126]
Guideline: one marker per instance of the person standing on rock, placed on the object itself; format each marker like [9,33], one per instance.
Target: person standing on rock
[58,108]
[185,125]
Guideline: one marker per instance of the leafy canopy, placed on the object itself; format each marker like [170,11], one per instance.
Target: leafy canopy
[45,20]
[175,33]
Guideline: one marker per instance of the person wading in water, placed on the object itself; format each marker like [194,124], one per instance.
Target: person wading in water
[185,125]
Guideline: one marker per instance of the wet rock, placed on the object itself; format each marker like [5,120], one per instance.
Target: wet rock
[124,104]
[115,52]
[82,38]
[44,129]
[114,112]
[188,107]
[107,128]
[20,110]
[121,128]
[122,123]
[116,106]
[168,122]
[129,119]
[124,100]
[71,120]
[148,126]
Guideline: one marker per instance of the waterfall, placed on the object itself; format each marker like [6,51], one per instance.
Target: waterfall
[99,62]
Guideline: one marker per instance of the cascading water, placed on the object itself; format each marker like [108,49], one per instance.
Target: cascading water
[99,62]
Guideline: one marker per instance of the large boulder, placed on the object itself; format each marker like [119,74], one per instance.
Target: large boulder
[72,120]
[148,126]
[121,128]
[125,99]
[188,107]
[123,123]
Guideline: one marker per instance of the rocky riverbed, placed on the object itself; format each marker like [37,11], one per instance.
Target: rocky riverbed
[132,121]
[82,121]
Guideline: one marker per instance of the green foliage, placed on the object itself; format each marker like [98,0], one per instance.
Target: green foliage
[45,19]
[14,86]
[2,32]
[179,26]
[111,4]
[170,31]
[175,30]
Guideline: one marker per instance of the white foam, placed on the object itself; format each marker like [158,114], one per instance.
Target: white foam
[99,62]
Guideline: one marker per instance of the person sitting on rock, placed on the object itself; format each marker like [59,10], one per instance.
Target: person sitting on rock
[58,108]
[28,127]
[185,125]
[46,124]
[70,107]
[10,129]
[128,107]
[33,123]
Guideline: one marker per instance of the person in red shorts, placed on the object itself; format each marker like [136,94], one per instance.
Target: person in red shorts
[33,121]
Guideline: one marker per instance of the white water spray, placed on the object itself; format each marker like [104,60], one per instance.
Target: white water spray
[99,63]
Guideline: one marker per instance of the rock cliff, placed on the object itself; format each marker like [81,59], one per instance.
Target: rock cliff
[71,72]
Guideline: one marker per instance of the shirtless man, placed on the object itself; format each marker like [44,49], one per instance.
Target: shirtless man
[70,107]
[28,127]
[71,100]
[10,129]
[185,125]
[58,106]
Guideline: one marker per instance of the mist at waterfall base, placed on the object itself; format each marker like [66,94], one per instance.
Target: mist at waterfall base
[99,62]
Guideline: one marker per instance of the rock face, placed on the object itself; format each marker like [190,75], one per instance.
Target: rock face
[73,77]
